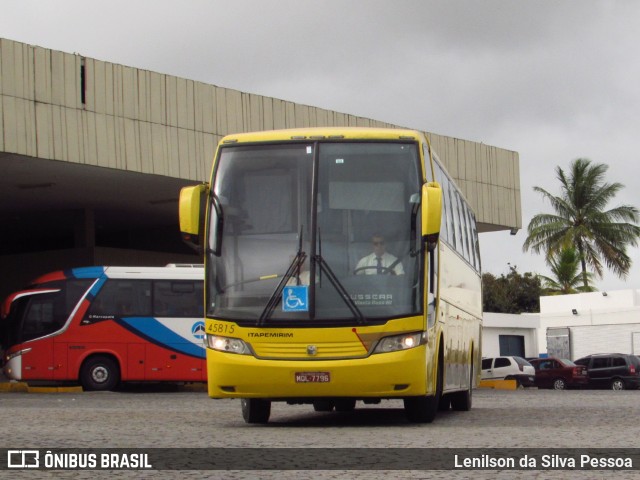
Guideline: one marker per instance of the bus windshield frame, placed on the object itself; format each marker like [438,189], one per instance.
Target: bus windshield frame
[282,214]
[42,311]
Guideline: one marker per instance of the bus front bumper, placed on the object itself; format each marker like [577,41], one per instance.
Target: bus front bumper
[386,375]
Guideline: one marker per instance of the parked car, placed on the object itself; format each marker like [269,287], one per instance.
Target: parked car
[509,368]
[559,373]
[618,371]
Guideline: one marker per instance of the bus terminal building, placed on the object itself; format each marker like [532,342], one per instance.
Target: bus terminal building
[93,156]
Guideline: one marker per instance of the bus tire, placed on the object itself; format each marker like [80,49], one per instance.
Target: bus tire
[445,403]
[100,373]
[256,410]
[421,409]
[424,409]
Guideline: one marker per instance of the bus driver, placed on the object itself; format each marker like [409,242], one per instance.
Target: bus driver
[379,261]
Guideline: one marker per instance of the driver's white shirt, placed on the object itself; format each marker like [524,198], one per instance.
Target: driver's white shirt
[371,262]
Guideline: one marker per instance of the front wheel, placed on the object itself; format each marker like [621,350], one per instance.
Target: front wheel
[421,409]
[424,409]
[100,373]
[256,410]
[445,403]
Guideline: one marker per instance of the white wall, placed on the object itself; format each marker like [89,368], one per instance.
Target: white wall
[596,308]
[617,307]
[496,324]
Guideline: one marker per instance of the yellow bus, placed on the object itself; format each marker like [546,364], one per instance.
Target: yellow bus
[341,265]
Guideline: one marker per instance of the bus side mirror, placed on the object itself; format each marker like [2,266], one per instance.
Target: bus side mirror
[192,213]
[431,213]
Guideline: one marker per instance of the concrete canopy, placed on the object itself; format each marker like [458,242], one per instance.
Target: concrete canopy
[93,156]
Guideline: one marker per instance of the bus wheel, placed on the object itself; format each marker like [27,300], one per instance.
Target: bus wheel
[99,373]
[445,403]
[255,410]
[421,409]
[424,409]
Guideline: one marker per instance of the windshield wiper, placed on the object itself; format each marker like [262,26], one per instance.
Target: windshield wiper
[294,268]
[324,267]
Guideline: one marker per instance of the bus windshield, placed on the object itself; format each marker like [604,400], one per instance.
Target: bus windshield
[322,232]
[43,310]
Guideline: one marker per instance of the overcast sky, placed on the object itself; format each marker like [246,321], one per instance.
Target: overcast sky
[553,80]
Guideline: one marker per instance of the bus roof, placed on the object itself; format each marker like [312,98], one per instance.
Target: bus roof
[327,133]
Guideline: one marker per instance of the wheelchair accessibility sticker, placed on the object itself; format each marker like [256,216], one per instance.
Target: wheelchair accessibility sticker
[296,299]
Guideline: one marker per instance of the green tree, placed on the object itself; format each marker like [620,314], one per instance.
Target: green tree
[511,293]
[565,266]
[581,221]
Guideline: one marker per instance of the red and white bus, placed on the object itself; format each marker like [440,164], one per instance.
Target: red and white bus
[100,326]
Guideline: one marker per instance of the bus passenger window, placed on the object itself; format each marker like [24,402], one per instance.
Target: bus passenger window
[123,298]
[178,299]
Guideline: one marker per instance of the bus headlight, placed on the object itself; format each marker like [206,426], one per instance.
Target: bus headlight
[227,344]
[399,342]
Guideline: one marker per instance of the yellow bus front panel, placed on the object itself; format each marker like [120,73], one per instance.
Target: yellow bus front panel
[385,375]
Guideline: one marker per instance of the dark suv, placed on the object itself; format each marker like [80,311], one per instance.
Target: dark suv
[617,371]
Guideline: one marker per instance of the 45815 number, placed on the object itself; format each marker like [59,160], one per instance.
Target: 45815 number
[220,328]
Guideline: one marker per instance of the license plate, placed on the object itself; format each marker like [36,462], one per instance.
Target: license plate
[313,377]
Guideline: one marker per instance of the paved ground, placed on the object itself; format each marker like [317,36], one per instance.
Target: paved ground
[148,418]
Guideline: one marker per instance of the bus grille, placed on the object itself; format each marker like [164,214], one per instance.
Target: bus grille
[323,351]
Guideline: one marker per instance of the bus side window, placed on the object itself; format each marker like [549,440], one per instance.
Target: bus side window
[122,298]
[178,298]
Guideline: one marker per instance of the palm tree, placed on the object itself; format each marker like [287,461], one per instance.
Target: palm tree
[565,266]
[581,221]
